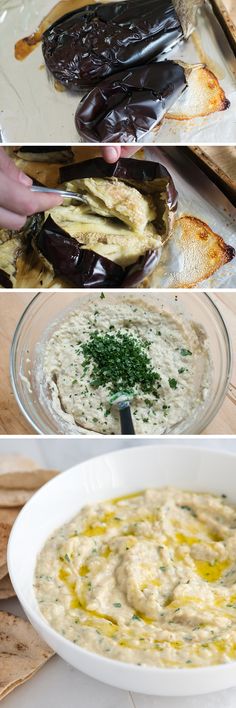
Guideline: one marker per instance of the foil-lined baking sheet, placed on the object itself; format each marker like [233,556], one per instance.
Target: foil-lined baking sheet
[32,110]
[201,198]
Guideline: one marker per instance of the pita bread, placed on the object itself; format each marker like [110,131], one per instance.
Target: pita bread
[3,570]
[202,252]
[18,472]
[203,96]
[4,536]
[6,588]
[22,652]
[9,514]
[15,497]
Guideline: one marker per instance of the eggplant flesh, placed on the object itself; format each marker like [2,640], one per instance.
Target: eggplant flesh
[127,106]
[86,46]
[149,178]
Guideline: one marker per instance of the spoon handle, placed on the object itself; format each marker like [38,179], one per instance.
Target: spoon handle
[126,422]
[63,193]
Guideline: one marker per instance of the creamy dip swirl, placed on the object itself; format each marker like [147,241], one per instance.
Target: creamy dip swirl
[149,578]
[177,350]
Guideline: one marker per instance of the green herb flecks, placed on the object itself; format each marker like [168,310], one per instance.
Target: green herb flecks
[119,360]
[185,352]
[173,383]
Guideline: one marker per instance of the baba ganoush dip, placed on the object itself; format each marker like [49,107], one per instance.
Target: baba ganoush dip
[109,345]
[149,578]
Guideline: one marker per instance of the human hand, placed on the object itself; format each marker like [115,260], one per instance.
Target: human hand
[113,153]
[17,202]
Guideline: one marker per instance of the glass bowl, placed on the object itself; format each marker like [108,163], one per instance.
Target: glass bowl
[42,316]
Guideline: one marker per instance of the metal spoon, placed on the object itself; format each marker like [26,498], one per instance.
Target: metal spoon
[122,399]
[63,193]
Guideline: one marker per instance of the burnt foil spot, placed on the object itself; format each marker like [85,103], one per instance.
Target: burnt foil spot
[89,44]
[125,107]
[5,280]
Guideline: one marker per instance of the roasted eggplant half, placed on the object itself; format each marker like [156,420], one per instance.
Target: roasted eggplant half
[125,107]
[85,46]
[117,236]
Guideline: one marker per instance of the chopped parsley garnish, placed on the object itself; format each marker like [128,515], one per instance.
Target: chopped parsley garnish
[182,370]
[135,617]
[185,352]
[120,361]
[117,604]
[173,383]
[102,296]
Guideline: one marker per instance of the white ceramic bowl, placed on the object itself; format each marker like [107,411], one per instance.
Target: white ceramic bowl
[102,477]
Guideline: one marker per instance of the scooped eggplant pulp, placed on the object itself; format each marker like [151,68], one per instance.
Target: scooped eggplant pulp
[127,106]
[114,240]
[90,44]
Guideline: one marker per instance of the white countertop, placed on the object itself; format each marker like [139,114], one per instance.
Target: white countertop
[58,685]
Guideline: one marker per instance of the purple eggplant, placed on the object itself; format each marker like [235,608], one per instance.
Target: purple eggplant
[125,107]
[85,46]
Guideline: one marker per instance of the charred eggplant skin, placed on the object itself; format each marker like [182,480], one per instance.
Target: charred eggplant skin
[130,104]
[81,267]
[85,46]
[141,172]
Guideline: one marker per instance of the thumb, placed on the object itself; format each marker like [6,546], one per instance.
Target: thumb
[111,154]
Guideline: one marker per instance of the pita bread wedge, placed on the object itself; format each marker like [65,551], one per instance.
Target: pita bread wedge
[3,571]
[6,588]
[15,497]
[9,514]
[4,536]
[18,472]
[22,652]
[203,96]
[202,252]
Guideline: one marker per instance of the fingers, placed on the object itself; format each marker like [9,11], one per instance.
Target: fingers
[9,220]
[9,168]
[16,198]
[112,154]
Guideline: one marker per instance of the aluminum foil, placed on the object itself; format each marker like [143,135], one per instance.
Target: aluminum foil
[47,115]
[199,197]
